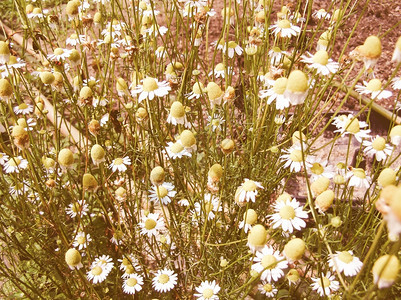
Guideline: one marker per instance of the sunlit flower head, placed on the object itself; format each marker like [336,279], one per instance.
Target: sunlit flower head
[276,93]
[151,225]
[177,115]
[321,14]
[289,215]
[164,280]
[75,39]
[78,208]
[207,290]
[320,168]
[163,193]
[373,88]
[23,108]
[81,240]
[150,88]
[220,69]
[283,28]
[176,150]
[325,285]
[133,284]
[248,191]
[15,164]
[120,164]
[208,207]
[198,90]
[250,218]
[216,122]
[294,159]
[377,147]
[345,261]
[321,62]
[268,290]
[358,178]
[351,125]
[270,264]
[59,54]
[98,272]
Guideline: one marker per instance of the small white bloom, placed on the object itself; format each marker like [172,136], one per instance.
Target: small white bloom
[120,164]
[325,285]
[81,240]
[133,284]
[289,215]
[162,193]
[151,225]
[270,264]
[345,261]
[150,88]
[207,290]
[164,280]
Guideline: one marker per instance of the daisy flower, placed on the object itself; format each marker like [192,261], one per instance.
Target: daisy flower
[320,168]
[231,48]
[396,83]
[120,164]
[81,240]
[151,225]
[175,150]
[250,218]
[288,215]
[177,115]
[97,273]
[59,54]
[77,208]
[15,164]
[198,89]
[248,191]
[276,92]
[162,193]
[164,280]
[219,71]
[321,63]
[105,261]
[284,28]
[321,14]
[268,290]
[90,82]
[378,147]
[270,264]
[358,178]
[160,52]
[215,122]
[150,88]
[75,39]
[345,261]
[207,290]
[37,13]
[118,237]
[276,56]
[293,159]
[19,188]
[23,108]
[133,284]
[374,89]
[351,125]
[3,158]
[129,261]
[325,285]
[209,205]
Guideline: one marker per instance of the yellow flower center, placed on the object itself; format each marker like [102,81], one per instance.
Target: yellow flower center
[14,162]
[269,261]
[81,240]
[129,270]
[176,148]
[150,224]
[118,161]
[219,67]
[208,207]
[232,44]
[249,186]
[23,106]
[346,257]
[251,217]
[296,155]
[374,85]
[280,85]
[379,143]
[325,282]
[163,278]
[268,287]
[197,88]
[352,126]
[284,24]
[131,282]
[126,261]
[287,212]
[297,82]
[360,173]
[162,192]
[149,84]
[317,168]
[177,110]
[215,122]
[96,271]
[207,293]
[321,57]
[58,51]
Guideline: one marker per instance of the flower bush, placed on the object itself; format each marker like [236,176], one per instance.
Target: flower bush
[142,154]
